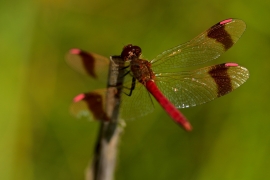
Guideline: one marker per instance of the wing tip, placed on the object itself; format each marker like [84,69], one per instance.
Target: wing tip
[75,51]
[231,64]
[78,98]
[226,21]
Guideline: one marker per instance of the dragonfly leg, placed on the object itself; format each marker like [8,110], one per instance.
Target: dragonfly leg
[126,73]
[124,67]
[132,86]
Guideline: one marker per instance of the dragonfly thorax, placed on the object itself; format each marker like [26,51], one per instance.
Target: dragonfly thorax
[141,70]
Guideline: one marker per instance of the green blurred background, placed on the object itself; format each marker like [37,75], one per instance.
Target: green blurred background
[41,140]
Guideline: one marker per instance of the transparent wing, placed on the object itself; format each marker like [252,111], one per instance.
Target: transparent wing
[186,89]
[92,104]
[138,104]
[207,46]
[91,64]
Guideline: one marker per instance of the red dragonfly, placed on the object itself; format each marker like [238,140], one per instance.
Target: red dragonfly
[162,78]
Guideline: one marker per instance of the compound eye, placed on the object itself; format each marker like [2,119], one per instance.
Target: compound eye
[127,46]
[129,52]
[137,51]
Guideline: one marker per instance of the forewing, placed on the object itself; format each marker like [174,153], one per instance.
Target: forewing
[207,46]
[91,64]
[186,89]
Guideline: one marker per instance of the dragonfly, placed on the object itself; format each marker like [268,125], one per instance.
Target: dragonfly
[163,77]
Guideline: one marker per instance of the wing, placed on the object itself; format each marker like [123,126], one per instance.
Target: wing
[186,89]
[91,64]
[137,105]
[207,46]
[92,104]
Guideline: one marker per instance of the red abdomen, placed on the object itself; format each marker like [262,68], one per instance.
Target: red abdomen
[173,112]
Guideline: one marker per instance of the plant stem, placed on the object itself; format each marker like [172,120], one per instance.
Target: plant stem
[103,165]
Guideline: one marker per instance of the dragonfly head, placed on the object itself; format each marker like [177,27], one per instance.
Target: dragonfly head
[130,52]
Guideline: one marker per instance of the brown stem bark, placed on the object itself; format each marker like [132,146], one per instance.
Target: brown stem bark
[105,153]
